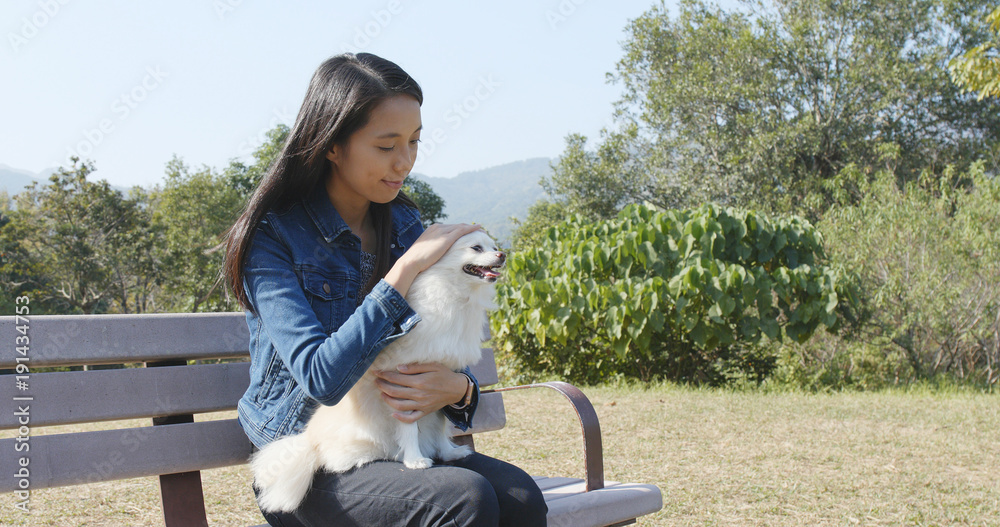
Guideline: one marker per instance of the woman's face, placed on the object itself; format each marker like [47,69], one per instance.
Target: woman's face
[376,159]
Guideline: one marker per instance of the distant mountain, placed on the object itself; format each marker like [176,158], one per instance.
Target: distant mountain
[493,195]
[13,180]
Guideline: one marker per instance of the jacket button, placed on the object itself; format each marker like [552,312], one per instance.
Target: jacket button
[392,245]
[326,288]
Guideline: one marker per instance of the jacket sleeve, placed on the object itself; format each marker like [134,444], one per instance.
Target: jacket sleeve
[326,366]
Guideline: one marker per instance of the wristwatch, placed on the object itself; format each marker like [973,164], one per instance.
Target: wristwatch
[468,395]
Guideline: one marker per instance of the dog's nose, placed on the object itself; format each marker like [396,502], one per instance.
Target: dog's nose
[501,256]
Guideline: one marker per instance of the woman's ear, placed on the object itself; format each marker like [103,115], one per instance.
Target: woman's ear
[332,155]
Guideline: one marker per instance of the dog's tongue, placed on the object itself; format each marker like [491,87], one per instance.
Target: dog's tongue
[490,273]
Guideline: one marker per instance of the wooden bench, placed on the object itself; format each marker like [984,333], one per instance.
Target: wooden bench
[171,390]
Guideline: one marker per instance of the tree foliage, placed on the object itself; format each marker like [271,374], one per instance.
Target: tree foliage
[193,210]
[598,184]
[978,69]
[533,230]
[928,255]
[20,272]
[80,245]
[245,178]
[689,295]
[430,204]
[760,106]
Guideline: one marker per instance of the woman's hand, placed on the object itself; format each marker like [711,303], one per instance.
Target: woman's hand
[415,390]
[426,250]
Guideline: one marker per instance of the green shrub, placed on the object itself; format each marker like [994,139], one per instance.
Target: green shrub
[928,260]
[686,295]
[837,362]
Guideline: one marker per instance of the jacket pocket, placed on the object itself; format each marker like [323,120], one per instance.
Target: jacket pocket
[275,381]
[325,292]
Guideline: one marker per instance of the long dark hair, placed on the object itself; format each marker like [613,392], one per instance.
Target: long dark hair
[341,96]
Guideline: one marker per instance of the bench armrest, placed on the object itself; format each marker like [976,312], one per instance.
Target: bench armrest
[593,451]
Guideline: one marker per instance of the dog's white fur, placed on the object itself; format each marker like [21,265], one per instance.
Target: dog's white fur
[360,428]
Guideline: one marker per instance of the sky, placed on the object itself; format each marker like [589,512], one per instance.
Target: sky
[129,85]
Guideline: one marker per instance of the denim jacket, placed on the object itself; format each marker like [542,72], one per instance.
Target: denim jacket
[310,341]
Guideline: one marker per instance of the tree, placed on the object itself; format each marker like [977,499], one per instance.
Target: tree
[762,106]
[134,257]
[20,273]
[84,246]
[532,231]
[598,184]
[244,177]
[430,204]
[193,210]
[978,70]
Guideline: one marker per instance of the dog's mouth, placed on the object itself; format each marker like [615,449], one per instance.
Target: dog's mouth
[488,273]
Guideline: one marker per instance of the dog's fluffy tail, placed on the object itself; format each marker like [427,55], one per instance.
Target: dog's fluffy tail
[283,471]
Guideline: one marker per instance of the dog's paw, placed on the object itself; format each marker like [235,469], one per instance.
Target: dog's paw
[418,463]
[457,452]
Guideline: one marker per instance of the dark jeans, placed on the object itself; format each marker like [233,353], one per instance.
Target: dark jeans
[475,491]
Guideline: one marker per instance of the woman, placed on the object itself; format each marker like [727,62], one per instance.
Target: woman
[321,260]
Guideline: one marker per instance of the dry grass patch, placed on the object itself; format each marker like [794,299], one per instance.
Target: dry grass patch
[721,458]
[725,458]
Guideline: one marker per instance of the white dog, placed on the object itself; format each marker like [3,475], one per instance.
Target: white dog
[451,297]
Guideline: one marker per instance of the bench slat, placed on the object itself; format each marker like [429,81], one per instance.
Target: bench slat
[86,457]
[71,459]
[69,340]
[490,415]
[74,340]
[107,395]
[486,369]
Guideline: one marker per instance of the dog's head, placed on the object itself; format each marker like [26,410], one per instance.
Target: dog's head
[461,280]
[478,257]
[466,273]
[471,266]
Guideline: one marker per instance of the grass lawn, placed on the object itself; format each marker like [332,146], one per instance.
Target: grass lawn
[720,458]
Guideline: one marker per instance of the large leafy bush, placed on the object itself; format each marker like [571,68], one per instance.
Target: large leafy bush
[688,295]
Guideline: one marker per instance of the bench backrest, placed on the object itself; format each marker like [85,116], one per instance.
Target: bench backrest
[170,389]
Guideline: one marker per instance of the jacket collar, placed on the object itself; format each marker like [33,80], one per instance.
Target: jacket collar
[323,214]
[331,225]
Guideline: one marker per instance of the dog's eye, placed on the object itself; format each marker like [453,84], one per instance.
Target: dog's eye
[477,248]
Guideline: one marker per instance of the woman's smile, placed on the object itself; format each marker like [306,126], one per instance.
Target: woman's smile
[395,185]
